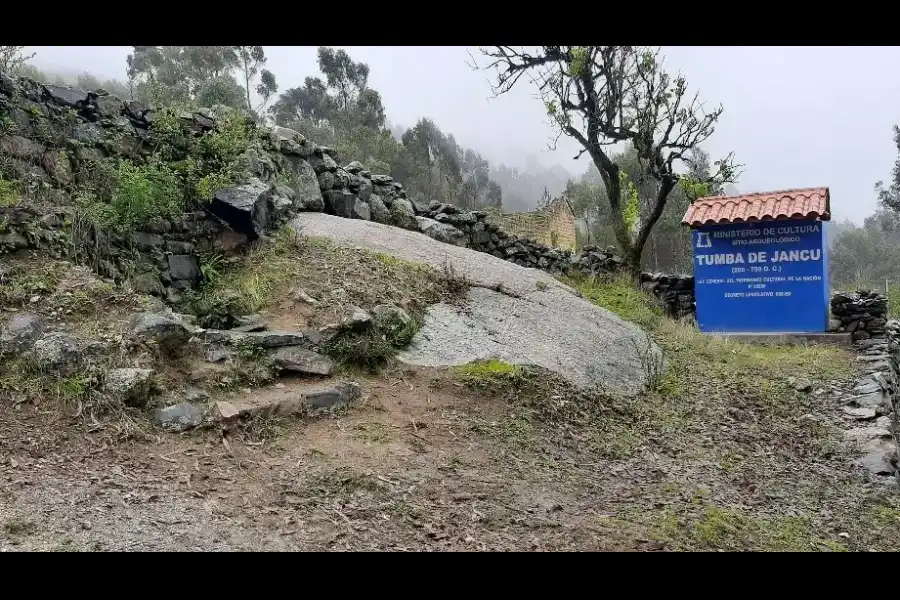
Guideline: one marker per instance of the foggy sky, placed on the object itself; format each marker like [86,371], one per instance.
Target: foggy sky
[795,116]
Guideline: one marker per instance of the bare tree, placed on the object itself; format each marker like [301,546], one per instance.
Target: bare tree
[12,57]
[606,95]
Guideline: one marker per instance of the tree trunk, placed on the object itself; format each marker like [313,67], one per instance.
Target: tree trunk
[633,263]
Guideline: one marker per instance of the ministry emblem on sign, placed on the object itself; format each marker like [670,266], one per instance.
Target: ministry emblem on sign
[703,240]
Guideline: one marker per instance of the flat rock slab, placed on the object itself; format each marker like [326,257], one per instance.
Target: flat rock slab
[548,325]
[286,400]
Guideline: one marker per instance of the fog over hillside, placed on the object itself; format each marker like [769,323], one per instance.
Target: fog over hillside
[779,128]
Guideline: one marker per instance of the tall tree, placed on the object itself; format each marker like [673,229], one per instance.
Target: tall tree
[606,95]
[343,99]
[890,196]
[251,62]
[201,75]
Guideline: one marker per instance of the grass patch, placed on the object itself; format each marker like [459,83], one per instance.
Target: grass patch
[712,385]
[269,270]
[18,527]
[620,295]
[139,193]
[491,372]
[10,193]
[368,351]
[717,528]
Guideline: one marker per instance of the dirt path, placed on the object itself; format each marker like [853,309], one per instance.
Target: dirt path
[423,463]
[403,471]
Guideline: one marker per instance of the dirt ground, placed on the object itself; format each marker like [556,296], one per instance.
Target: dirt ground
[735,447]
[426,462]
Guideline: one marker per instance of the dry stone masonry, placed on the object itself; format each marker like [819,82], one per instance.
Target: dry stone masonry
[872,404]
[54,136]
[862,314]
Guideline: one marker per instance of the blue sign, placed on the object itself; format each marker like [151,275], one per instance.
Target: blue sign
[762,277]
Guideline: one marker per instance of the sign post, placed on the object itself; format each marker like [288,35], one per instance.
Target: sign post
[765,275]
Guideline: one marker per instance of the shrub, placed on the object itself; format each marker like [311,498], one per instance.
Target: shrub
[145,192]
[140,193]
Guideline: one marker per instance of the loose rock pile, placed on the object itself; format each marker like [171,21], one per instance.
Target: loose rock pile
[863,313]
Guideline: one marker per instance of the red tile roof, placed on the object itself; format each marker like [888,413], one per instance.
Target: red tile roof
[808,203]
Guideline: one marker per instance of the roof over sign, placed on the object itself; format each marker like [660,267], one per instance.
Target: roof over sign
[810,203]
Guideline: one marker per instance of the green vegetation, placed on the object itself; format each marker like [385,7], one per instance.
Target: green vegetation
[619,295]
[9,193]
[140,193]
[710,527]
[491,372]
[184,170]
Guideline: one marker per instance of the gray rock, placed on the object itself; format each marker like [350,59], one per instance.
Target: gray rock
[244,207]
[354,167]
[552,328]
[301,296]
[163,331]
[403,215]
[356,319]
[877,457]
[184,267]
[393,321]
[254,322]
[442,232]
[305,184]
[380,212]
[89,134]
[58,353]
[874,400]
[345,204]
[14,241]
[133,387]
[21,332]
[863,435]
[20,147]
[180,417]
[328,161]
[294,359]
[364,190]
[193,394]
[256,162]
[865,387]
[145,240]
[860,414]
[65,96]
[263,339]
[287,134]
[339,395]
[219,355]
[327,181]
[800,385]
